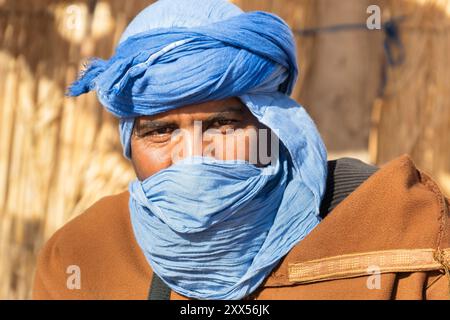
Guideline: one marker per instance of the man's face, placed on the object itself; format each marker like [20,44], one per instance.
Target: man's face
[223,129]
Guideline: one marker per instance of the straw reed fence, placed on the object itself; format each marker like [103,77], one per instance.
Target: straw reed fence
[57,155]
[60,155]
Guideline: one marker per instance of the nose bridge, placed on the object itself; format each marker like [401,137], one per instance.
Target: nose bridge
[190,140]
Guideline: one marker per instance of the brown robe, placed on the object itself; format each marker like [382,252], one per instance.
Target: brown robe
[389,239]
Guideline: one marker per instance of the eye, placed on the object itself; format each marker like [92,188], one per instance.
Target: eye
[223,122]
[160,131]
[161,134]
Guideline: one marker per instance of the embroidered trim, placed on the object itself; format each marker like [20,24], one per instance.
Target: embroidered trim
[365,264]
[443,258]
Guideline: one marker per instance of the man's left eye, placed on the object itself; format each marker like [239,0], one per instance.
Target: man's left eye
[223,122]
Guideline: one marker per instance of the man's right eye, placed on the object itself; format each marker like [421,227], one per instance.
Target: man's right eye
[157,134]
[160,131]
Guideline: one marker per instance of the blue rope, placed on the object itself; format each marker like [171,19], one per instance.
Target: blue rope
[393,46]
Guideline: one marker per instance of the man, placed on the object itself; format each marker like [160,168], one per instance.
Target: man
[213,214]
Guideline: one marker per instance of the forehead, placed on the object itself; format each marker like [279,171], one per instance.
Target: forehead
[201,109]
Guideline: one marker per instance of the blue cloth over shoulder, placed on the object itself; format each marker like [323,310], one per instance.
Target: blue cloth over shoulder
[222,239]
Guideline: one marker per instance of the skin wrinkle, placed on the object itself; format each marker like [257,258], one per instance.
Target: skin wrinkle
[152,143]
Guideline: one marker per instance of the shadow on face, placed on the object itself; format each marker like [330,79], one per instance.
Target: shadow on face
[223,129]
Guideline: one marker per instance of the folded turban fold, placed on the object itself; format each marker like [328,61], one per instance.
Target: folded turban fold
[162,69]
[170,57]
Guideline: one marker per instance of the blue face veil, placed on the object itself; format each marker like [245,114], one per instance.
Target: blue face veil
[214,229]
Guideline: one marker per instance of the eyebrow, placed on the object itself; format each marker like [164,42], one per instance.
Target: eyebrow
[156,124]
[229,109]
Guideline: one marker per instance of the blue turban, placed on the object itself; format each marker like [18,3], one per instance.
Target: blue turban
[182,52]
[172,55]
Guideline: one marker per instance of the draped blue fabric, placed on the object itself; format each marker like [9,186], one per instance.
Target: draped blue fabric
[221,238]
[222,242]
